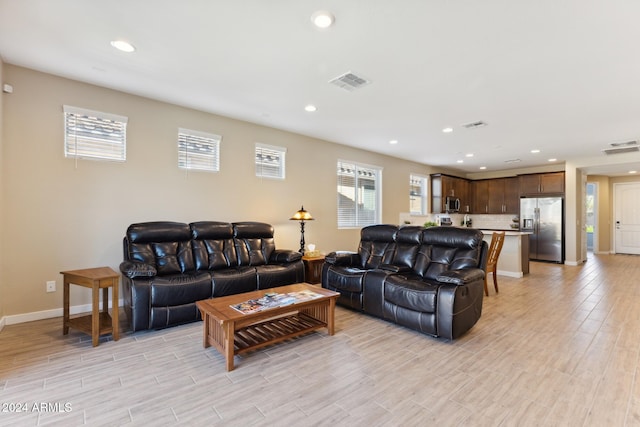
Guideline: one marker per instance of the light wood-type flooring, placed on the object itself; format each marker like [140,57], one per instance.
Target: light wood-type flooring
[559,347]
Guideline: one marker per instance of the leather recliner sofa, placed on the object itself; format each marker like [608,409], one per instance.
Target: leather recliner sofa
[168,266]
[427,279]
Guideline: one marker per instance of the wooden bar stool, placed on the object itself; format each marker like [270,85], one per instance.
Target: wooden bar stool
[492,260]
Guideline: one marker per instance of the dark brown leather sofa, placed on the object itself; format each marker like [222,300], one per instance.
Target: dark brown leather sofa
[427,279]
[168,266]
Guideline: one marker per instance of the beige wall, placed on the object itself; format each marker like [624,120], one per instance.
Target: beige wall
[58,216]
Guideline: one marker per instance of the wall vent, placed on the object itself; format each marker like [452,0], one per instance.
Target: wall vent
[475,125]
[350,81]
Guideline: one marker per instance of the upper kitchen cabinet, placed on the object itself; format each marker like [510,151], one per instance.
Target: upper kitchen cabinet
[511,195]
[449,188]
[542,183]
[480,196]
[495,196]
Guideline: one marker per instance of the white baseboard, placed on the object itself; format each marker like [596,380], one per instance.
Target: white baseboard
[516,274]
[573,263]
[47,314]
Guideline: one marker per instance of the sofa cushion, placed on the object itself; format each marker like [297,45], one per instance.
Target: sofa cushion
[407,243]
[432,261]
[411,293]
[346,278]
[377,245]
[232,281]
[164,245]
[213,245]
[254,242]
[272,275]
[173,257]
[180,289]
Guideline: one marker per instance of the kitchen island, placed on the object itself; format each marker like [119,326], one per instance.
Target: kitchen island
[514,257]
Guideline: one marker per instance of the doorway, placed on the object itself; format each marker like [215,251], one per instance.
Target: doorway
[591,208]
[626,215]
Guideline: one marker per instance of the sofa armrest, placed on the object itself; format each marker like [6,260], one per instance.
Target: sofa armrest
[133,269]
[461,277]
[285,255]
[395,268]
[342,258]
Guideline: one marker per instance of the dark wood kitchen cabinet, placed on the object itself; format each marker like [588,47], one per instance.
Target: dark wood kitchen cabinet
[443,186]
[511,195]
[480,196]
[541,183]
[496,196]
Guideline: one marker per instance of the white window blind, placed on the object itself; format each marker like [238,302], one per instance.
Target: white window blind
[359,194]
[198,150]
[94,135]
[270,161]
[418,195]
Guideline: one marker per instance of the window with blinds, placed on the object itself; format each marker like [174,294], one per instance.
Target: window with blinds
[198,150]
[270,161]
[418,195]
[94,135]
[359,195]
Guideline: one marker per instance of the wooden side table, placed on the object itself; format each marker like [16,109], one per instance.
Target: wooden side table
[313,269]
[97,323]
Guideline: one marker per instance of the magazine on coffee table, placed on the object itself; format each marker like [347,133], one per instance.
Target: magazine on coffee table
[274,299]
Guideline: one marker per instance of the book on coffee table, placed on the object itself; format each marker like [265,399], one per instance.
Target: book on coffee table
[274,299]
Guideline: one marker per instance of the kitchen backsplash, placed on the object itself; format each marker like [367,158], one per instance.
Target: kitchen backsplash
[489,222]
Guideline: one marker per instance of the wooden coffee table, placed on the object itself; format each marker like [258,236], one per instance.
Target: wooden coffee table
[232,332]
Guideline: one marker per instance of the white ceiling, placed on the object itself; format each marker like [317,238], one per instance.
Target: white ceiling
[562,77]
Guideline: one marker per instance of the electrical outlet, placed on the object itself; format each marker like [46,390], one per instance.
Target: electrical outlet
[51,286]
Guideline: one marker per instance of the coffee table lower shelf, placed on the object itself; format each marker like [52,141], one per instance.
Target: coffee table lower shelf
[273,331]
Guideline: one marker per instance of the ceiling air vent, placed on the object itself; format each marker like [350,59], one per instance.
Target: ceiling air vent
[624,144]
[621,150]
[622,147]
[349,81]
[513,161]
[475,125]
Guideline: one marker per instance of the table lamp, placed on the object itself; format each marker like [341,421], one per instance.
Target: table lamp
[302,216]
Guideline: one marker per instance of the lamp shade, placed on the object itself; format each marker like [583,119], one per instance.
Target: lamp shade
[302,215]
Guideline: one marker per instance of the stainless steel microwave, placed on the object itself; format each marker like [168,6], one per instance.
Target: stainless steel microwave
[452,204]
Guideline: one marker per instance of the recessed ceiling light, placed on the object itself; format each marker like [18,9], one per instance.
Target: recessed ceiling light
[553,160]
[469,155]
[447,130]
[322,19]
[393,141]
[483,167]
[535,151]
[310,108]
[123,46]
[633,171]
[460,161]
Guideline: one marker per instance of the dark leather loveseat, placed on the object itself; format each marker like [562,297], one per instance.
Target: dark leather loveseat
[427,279]
[168,266]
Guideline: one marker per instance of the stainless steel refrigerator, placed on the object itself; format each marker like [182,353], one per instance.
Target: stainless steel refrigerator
[543,218]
